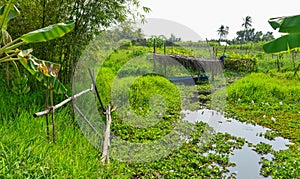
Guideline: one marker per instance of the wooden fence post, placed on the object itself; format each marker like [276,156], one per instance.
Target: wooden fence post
[105,152]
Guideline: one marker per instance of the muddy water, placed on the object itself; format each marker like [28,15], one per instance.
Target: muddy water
[247,160]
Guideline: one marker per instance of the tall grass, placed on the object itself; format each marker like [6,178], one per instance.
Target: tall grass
[262,97]
[25,151]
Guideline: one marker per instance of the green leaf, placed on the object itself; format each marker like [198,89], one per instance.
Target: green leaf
[289,24]
[8,12]
[284,43]
[57,86]
[42,70]
[48,33]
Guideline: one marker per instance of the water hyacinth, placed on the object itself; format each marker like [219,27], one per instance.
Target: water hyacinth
[273,119]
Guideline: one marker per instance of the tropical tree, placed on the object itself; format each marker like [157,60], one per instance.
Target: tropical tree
[257,37]
[173,38]
[158,41]
[247,22]
[268,36]
[223,32]
[10,52]
[126,30]
[90,18]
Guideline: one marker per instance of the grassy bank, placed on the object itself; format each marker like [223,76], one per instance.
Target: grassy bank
[271,100]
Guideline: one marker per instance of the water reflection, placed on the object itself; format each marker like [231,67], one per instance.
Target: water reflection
[247,160]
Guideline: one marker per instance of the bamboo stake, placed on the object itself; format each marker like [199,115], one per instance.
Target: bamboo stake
[53,123]
[47,111]
[96,89]
[105,154]
[47,107]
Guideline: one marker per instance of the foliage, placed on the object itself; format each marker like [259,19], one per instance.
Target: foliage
[290,25]
[90,18]
[10,52]
[25,151]
[223,31]
[125,30]
[258,97]
[286,165]
[159,41]
[247,22]
[263,148]
[240,63]
[174,39]
[270,100]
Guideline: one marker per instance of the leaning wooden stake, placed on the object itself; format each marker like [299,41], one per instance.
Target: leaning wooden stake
[52,114]
[47,107]
[105,153]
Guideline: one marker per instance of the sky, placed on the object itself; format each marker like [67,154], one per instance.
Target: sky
[206,17]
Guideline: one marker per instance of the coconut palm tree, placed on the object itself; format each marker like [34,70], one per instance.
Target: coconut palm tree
[223,32]
[246,24]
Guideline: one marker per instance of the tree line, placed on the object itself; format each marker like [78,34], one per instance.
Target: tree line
[247,34]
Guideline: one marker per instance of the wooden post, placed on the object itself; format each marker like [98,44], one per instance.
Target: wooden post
[47,111]
[210,52]
[154,52]
[7,75]
[105,152]
[53,123]
[165,63]
[47,107]
[96,89]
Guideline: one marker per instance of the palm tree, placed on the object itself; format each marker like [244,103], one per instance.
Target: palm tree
[246,24]
[223,32]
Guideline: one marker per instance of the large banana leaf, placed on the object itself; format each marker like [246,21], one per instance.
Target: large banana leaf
[7,12]
[48,33]
[283,43]
[289,24]
[42,70]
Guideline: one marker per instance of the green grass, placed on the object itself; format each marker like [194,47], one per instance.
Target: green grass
[257,98]
[25,151]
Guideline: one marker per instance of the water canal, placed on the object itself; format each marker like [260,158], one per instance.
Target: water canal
[246,159]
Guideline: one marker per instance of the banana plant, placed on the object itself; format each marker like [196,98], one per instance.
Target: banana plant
[288,42]
[289,25]
[9,52]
